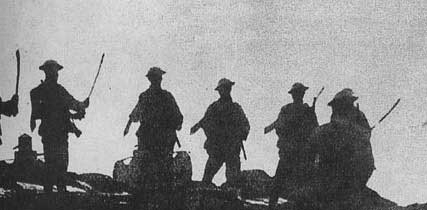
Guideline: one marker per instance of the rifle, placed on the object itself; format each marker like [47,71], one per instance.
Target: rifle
[177,142]
[126,131]
[71,126]
[317,96]
[243,150]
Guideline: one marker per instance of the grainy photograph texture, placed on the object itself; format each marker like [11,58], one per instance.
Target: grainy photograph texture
[221,104]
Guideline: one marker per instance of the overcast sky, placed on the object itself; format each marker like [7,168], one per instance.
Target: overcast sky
[377,48]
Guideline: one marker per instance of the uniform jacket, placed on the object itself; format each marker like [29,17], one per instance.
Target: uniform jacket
[344,147]
[225,125]
[159,117]
[295,123]
[51,103]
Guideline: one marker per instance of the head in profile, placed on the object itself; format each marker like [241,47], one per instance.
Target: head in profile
[51,68]
[224,87]
[298,91]
[343,102]
[155,76]
[344,98]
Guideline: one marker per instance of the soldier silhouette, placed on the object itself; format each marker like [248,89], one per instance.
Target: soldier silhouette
[159,117]
[51,103]
[295,123]
[343,156]
[8,108]
[225,126]
[345,113]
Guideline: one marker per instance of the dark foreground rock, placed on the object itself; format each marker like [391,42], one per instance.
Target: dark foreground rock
[197,199]
[96,191]
[67,201]
[196,196]
[134,173]
[101,183]
[255,184]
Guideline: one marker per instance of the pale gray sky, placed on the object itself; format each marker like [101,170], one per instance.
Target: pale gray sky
[378,48]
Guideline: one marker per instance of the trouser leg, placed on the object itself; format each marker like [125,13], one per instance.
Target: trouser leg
[165,181]
[213,165]
[62,165]
[49,177]
[283,172]
[56,163]
[232,170]
[166,174]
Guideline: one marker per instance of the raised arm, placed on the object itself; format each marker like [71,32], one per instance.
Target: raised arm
[72,103]
[9,108]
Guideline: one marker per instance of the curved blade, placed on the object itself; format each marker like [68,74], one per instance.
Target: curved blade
[394,106]
[18,70]
[97,74]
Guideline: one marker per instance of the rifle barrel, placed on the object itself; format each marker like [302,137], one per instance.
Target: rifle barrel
[243,150]
[320,92]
